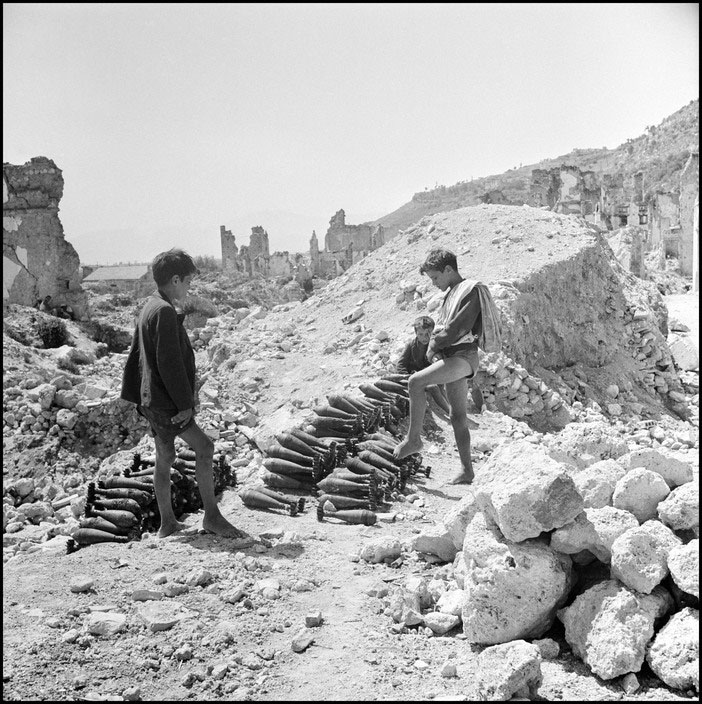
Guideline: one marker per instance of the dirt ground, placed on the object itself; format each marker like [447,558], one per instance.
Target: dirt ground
[355,655]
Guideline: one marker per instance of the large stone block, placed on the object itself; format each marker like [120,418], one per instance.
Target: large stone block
[640,556]
[526,492]
[595,529]
[512,590]
[597,481]
[674,471]
[674,654]
[680,510]
[509,669]
[684,566]
[683,351]
[640,491]
[609,626]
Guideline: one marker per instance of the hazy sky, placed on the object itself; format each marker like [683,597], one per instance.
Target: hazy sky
[169,120]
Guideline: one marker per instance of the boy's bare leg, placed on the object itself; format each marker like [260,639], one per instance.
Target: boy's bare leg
[441,372]
[457,393]
[213,520]
[439,395]
[165,455]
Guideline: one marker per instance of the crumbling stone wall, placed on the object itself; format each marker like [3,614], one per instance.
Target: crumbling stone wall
[363,237]
[689,188]
[37,260]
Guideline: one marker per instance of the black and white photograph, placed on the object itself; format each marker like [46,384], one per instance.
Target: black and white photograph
[351,352]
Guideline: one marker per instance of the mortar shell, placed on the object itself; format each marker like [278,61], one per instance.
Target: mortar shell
[283,453]
[123,483]
[89,536]
[259,500]
[392,387]
[347,502]
[331,412]
[280,481]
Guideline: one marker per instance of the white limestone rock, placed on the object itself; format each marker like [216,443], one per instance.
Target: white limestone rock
[680,510]
[451,602]
[380,549]
[674,471]
[595,529]
[597,481]
[445,539]
[609,626]
[640,556]
[509,669]
[105,623]
[418,586]
[441,623]
[684,566]
[683,351]
[640,491]
[674,654]
[512,590]
[526,492]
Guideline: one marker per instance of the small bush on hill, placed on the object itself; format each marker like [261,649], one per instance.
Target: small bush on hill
[52,332]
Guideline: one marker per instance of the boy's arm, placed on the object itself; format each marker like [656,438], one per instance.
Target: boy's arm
[169,360]
[461,323]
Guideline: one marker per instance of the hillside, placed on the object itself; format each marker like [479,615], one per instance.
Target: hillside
[661,153]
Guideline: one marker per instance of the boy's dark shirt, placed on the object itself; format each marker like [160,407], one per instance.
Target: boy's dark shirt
[160,368]
[414,358]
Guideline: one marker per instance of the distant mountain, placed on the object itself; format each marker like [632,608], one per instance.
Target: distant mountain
[661,153]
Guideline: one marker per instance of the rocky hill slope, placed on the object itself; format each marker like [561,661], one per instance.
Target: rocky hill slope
[661,153]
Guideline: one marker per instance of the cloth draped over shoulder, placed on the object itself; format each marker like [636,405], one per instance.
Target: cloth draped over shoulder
[490,337]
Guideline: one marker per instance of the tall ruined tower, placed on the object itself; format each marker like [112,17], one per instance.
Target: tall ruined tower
[230,252]
[37,260]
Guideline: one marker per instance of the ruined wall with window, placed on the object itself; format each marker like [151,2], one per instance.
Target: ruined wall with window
[37,259]
[344,245]
[614,201]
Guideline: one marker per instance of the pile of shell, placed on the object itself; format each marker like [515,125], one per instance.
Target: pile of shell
[345,453]
[121,508]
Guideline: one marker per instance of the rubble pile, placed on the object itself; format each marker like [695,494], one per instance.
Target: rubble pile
[609,545]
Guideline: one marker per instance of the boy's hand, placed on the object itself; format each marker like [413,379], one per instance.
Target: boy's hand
[182,418]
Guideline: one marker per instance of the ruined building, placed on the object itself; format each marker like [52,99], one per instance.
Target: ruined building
[344,245]
[37,260]
[256,259]
[613,201]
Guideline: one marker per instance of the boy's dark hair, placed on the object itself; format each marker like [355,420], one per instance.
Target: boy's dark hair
[174,262]
[424,322]
[438,260]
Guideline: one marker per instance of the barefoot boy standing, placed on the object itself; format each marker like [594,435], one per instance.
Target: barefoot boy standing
[453,351]
[159,377]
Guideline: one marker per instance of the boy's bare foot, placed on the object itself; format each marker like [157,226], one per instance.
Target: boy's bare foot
[167,529]
[219,525]
[409,446]
[461,478]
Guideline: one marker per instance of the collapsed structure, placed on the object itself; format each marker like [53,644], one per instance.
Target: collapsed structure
[344,245]
[37,259]
[612,201]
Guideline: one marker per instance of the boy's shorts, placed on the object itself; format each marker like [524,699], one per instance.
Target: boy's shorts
[161,425]
[471,356]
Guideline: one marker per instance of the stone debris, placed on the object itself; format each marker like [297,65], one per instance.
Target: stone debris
[684,565]
[512,590]
[526,492]
[81,583]
[105,623]
[302,641]
[610,626]
[640,491]
[640,556]
[507,670]
[680,510]
[674,654]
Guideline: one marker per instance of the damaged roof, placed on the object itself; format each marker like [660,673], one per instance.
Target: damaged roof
[118,273]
